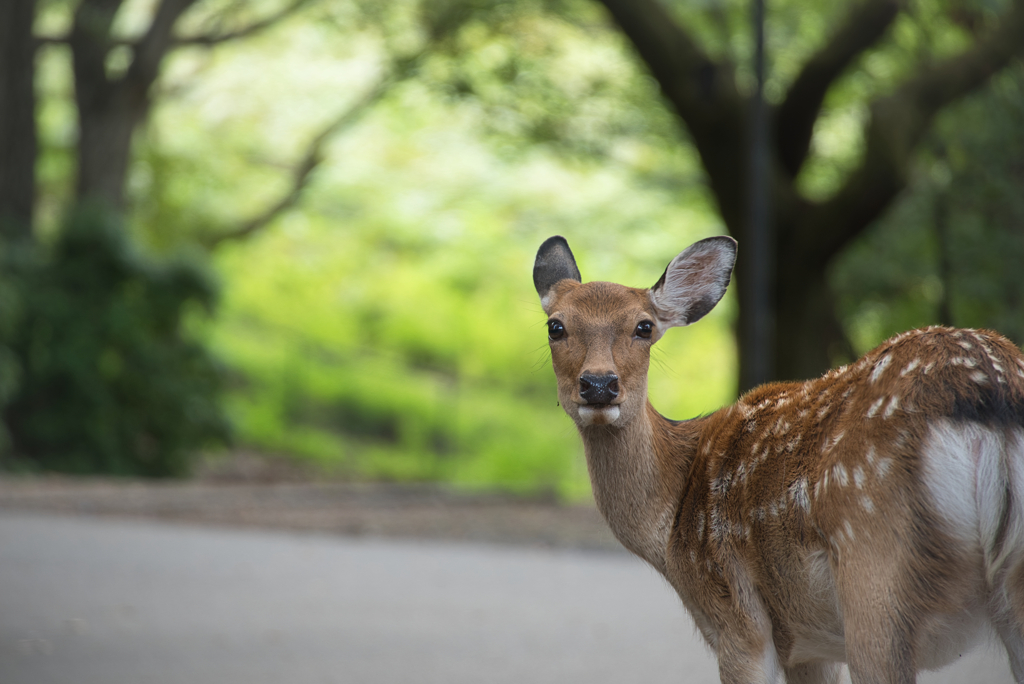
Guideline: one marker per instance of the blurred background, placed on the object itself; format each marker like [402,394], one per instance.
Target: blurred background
[304,229]
[267,264]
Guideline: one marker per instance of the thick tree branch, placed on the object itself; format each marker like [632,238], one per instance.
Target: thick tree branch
[90,42]
[261,25]
[897,124]
[204,40]
[153,46]
[314,155]
[702,91]
[795,117]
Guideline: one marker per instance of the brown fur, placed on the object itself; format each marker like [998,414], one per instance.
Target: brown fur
[796,524]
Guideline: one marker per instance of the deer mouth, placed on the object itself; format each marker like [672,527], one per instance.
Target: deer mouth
[598,414]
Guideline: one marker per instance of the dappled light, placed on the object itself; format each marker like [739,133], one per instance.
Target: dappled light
[369,183]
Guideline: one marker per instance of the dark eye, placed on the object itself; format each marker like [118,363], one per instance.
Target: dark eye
[556,330]
[644,329]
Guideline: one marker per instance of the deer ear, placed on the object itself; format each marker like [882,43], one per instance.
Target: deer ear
[694,281]
[554,263]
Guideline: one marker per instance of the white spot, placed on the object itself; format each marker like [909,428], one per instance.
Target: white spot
[880,367]
[756,448]
[849,530]
[794,443]
[859,477]
[870,455]
[837,438]
[798,491]
[700,525]
[882,467]
[965,344]
[719,527]
[693,556]
[928,368]
[839,472]
[979,377]
[874,407]
[910,366]
[894,403]
[867,503]
[963,361]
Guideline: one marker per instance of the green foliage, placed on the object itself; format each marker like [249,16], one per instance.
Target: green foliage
[387,327]
[112,380]
[950,251]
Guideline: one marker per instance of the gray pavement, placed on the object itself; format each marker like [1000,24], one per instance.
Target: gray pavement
[102,601]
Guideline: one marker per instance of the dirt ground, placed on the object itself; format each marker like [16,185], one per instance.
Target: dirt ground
[256,492]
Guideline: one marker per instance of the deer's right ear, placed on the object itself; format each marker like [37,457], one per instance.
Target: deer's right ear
[694,281]
[554,262]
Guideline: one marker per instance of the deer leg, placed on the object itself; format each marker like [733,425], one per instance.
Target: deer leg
[878,645]
[876,615]
[747,663]
[814,673]
[1008,617]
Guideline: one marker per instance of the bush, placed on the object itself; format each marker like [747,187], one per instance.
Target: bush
[111,380]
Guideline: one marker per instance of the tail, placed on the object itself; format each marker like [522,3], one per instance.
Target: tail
[999,494]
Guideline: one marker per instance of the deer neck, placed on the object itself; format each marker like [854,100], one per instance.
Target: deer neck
[637,472]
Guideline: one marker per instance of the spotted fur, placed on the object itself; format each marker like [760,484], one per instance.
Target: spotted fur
[872,516]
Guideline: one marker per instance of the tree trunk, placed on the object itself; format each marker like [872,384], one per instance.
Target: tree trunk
[106,128]
[17,119]
[110,107]
[808,234]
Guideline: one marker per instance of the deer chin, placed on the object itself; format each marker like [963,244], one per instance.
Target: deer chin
[597,414]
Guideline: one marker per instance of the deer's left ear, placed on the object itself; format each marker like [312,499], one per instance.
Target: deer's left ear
[694,281]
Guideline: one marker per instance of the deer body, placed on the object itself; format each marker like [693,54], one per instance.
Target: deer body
[873,516]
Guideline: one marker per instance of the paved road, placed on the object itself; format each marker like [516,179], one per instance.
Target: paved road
[89,600]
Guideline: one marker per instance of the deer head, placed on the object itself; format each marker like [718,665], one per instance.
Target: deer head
[601,333]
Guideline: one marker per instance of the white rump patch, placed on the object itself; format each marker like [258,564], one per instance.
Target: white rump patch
[967,470]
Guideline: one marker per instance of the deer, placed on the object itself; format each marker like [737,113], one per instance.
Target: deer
[872,517]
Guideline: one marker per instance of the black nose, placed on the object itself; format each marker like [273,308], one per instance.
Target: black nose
[599,389]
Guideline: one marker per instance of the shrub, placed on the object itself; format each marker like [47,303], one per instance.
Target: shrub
[111,380]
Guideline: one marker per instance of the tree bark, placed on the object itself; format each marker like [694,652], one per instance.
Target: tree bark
[808,234]
[17,119]
[111,107]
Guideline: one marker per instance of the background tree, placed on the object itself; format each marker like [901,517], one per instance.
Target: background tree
[17,119]
[810,231]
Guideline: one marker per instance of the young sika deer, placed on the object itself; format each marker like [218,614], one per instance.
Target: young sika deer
[874,516]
